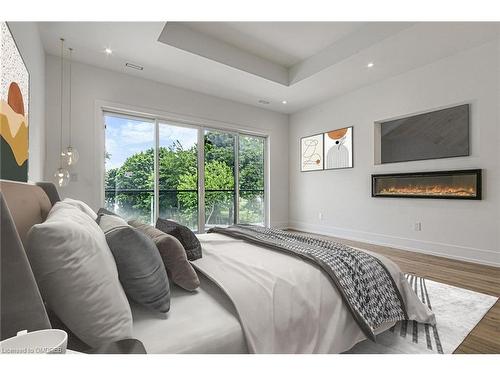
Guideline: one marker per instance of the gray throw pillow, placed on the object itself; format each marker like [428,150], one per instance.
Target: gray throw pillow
[173,255]
[185,235]
[103,211]
[139,264]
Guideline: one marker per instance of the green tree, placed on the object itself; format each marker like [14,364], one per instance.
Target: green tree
[218,204]
[178,171]
[251,179]
[251,159]
[134,175]
[219,146]
[110,179]
[175,162]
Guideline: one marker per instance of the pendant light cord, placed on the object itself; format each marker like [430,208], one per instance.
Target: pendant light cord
[62,76]
[69,110]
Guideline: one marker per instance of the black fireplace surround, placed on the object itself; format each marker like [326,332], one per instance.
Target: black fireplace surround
[461,184]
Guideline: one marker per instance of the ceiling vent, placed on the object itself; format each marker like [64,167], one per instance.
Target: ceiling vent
[133,66]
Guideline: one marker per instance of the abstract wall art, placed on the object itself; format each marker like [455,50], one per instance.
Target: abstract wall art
[14,109]
[338,148]
[311,153]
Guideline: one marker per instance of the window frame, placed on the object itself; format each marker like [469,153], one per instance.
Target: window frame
[201,125]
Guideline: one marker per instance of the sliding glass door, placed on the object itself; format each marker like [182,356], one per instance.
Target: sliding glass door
[251,203]
[155,168]
[219,178]
[129,166]
[178,174]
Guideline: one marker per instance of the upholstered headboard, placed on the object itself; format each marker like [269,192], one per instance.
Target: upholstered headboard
[28,205]
[22,206]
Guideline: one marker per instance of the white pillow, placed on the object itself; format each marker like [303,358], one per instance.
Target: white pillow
[82,206]
[77,276]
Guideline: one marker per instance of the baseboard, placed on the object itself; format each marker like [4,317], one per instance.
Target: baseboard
[467,254]
[279,224]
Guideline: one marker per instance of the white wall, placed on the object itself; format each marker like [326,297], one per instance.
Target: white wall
[92,85]
[27,37]
[459,229]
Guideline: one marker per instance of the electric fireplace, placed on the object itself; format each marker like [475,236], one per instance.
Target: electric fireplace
[462,184]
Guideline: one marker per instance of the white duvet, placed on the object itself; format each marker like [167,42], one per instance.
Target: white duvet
[287,305]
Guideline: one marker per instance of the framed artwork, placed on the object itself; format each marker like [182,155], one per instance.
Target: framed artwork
[338,148]
[14,109]
[311,153]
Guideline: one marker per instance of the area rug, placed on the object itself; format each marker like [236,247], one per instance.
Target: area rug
[457,312]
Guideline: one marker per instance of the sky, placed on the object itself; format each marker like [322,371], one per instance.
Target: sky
[125,137]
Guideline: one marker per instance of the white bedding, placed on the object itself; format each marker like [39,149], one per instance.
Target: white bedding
[287,305]
[284,305]
[198,322]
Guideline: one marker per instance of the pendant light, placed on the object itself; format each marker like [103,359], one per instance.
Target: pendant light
[70,154]
[61,176]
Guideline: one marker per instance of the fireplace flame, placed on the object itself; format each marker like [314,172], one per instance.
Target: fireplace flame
[438,190]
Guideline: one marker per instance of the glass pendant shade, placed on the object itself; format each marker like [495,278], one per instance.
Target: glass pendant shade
[61,177]
[70,156]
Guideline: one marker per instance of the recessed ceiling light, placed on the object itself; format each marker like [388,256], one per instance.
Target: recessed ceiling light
[370,65]
[133,66]
[108,51]
[262,101]
[284,102]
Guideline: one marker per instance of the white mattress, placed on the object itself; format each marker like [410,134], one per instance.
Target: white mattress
[204,321]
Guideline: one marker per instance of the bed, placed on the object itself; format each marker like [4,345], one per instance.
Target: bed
[201,322]
[256,300]
[252,298]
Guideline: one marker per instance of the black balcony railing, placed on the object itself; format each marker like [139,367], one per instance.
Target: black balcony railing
[182,205]
[138,191]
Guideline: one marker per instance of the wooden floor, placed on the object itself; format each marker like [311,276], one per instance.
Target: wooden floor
[485,337]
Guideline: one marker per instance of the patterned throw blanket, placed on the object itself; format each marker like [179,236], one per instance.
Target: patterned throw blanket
[362,280]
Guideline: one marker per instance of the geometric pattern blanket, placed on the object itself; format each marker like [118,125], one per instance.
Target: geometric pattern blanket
[366,286]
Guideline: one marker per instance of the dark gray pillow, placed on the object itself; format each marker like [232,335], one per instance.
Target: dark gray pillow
[103,211]
[173,255]
[140,267]
[185,235]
